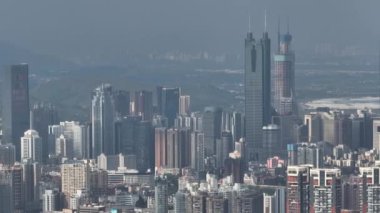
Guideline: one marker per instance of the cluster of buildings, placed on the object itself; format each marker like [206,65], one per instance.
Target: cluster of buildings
[148,152]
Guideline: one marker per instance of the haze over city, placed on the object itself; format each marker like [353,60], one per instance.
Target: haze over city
[242,106]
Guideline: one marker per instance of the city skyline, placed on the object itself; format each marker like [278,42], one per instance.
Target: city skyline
[198,136]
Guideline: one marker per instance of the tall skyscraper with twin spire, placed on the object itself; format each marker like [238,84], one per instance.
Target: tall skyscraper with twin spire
[257,90]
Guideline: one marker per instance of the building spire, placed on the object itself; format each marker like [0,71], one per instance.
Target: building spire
[278,34]
[31,119]
[249,24]
[265,20]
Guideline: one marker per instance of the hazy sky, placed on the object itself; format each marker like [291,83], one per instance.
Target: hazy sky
[84,27]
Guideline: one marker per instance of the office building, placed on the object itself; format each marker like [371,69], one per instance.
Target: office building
[103,118]
[272,141]
[63,147]
[284,100]
[75,133]
[237,128]
[17,185]
[275,202]
[31,177]
[197,151]
[305,153]
[15,104]
[144,148]
[7,154]
[212,128]
[223,148]
[126,133]
[122,103]
[50,201]
[179,202]
[161,195]
[234,166]
[144,105]
[184,105]
[31,146]
[170,104]
[257,90]
[43,116]
[6,191]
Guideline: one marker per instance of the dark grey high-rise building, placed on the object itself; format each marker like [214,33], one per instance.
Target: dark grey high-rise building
[144,105]
[223,148]
[126,134]
[15,104]
[159,99]
[170,104]
[212,128]
[122,102]
[144,145]
[44,115]
[257,92]
[103,118]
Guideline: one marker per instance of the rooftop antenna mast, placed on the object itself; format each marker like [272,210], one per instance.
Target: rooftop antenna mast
[249,24]
[278,34]
[265,20]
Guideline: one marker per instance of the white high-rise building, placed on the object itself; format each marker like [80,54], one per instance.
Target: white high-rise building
[63,147]
[184,105]
[31,146]
[49,201]
[74,133]
[103,118]
[376,134]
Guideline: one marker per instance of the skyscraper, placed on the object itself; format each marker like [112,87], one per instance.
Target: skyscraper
[15,104]
[184,105]
[257,92]
[75,176]
[31,146]
[75,133]
[122,102]
[50,201]
[326,190]
[197,151]
[144,148]
[144,104]
[43,116]
[103,116]
[6,191]
[31,180]
[161,195]
[298,189]
[212,128]
[170,104]
[7,154]
[284,78]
